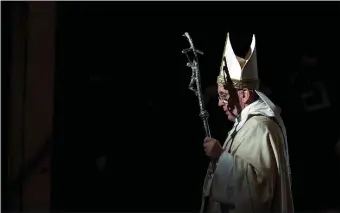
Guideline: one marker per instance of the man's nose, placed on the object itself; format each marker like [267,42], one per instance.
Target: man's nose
[220,102]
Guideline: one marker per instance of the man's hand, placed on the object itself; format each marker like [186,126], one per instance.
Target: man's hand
[212,148]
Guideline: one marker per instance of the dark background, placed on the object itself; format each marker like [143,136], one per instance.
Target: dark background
[5,86]
[122,92]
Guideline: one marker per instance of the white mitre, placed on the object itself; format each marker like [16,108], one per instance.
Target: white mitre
[242,71]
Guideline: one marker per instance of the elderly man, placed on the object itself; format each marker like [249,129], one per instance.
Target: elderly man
[252,170]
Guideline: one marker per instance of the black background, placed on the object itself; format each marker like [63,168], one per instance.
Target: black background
[115,59]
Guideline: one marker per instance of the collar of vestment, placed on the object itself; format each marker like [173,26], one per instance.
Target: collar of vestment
[257,107]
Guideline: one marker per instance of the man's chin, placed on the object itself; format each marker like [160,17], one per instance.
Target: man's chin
[230,117]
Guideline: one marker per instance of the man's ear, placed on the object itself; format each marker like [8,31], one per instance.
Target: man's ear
[246,96]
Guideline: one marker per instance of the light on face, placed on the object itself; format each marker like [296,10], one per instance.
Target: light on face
[223,99]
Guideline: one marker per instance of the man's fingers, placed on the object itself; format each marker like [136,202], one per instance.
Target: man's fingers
[208,145]
[205,144]
[207,150]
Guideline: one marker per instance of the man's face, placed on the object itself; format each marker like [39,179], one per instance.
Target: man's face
[230,100]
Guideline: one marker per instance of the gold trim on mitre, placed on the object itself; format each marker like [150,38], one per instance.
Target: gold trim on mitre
[242,71]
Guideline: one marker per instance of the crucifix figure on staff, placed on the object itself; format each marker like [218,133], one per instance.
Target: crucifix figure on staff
[252,167]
